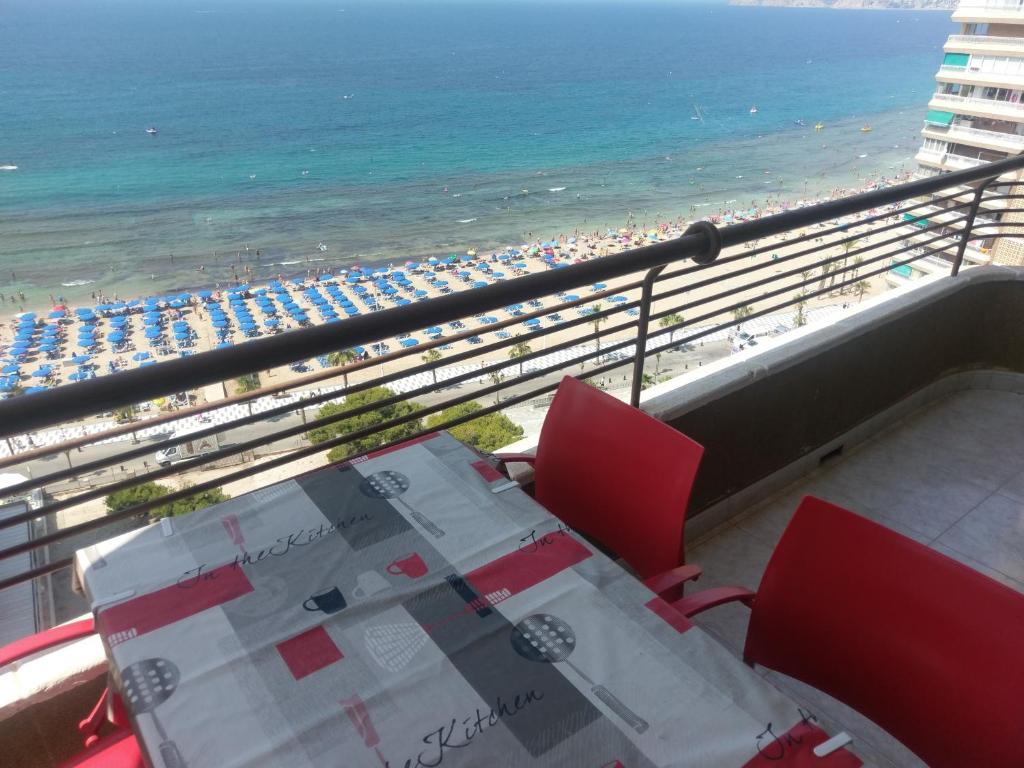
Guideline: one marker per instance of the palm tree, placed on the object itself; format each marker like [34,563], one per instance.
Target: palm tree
[657,364]
[596,322]
[848,246]
[801,305]
[856,268]
[825,268]
[741,313]
[342,357]
[496,378]
[668,321]
[430,357]
[860,288]
[518,351]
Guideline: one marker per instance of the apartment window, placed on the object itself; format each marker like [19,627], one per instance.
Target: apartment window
[935,145]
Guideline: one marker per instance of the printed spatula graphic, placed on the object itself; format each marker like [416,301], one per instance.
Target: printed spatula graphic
[391,485]
[546,638]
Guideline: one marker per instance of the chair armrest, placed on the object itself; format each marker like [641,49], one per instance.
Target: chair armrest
[521,458]
[709,598]
[673,578]
[59,635]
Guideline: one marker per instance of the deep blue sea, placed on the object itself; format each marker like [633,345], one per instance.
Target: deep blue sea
[286,123]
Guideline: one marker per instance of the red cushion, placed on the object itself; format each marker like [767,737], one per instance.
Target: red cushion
[116,750]
[929,649]
[617,475]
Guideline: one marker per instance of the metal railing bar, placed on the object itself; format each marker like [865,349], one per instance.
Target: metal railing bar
[309,401]
[104,393]
[341,440]
[840,228]
[782,305]
[383,380]
[237,448]
[781,259]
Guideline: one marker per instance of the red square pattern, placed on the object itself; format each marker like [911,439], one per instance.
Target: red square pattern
[311,651]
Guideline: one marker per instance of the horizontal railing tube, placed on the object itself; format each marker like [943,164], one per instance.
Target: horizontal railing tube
[28,413]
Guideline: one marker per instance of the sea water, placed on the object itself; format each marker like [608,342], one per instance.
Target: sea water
[385,130]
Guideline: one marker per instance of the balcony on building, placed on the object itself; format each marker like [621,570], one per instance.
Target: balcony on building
[995,13]
[904,407]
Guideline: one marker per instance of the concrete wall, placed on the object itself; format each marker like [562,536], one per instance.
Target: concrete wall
[775,412]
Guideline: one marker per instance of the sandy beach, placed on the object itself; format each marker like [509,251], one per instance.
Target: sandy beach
[66,344]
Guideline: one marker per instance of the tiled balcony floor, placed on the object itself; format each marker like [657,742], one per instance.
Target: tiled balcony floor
[950,475]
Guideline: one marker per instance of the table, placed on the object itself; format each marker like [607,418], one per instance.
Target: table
[402,610]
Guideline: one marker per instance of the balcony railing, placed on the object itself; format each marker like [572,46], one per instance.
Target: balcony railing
[1009,106]
[657,299]
[990,5]
[1016,42]
[957,130]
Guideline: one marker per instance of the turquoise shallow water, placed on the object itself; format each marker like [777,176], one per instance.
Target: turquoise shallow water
[258,145]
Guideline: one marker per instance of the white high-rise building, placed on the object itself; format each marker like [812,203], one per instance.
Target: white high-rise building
[976,115]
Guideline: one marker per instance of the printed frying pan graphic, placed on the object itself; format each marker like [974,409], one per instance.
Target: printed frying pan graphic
[147,684]
[546,638]
[391,485]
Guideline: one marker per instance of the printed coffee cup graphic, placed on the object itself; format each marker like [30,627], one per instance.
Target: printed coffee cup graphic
[368,584]
[328,600]
[411,565]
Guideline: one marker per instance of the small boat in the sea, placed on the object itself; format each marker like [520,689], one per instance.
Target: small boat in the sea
[818,126]
[865,128]
[8,167]
[800,122]
[151,131]
[753,110]
[698,113]
[321,247]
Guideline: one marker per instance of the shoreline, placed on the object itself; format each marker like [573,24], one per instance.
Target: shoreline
[114,338]
[88,255]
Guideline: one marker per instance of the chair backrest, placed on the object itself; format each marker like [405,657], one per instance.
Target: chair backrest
[928,648]
[616,475]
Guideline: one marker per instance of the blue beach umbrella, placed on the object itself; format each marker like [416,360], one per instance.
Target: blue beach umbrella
[10,368]
[81,359]
[140,356]
[153,333]
[617,299]
[598,287]
[115,337]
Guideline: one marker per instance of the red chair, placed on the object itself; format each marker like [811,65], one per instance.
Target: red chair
[619,477]
[118,749]
[928,648]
